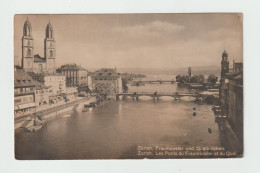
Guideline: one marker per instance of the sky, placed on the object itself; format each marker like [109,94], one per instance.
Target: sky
[137,40]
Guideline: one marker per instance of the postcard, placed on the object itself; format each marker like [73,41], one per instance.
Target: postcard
[128,86]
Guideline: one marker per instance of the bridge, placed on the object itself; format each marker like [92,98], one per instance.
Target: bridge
[154,82]
[156,95]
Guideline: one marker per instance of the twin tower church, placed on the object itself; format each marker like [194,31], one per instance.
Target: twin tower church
[36,63]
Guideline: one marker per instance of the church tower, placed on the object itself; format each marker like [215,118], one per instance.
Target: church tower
[49,48]
[224,64]
[27,47]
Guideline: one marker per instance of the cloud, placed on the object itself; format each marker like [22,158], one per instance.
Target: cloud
[154,28]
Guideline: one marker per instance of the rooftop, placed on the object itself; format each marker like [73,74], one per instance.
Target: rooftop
[22,79]
[38,58]
[106,72]
[71,67]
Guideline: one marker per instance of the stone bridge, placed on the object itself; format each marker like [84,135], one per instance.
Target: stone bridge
[156,95]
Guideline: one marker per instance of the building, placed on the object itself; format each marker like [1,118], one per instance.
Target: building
[34,62]
[75,75]
[42,95]
[24,93]
[107,76]
[56,82]
[231,95]
[237,66]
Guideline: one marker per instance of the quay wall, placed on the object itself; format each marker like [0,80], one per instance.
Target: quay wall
[55,113]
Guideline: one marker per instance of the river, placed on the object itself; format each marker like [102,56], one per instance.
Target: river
[116,129]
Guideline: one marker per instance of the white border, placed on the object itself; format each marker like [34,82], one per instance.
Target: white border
[250,10]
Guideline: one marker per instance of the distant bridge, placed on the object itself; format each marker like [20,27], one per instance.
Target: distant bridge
[156,95]
[154,82]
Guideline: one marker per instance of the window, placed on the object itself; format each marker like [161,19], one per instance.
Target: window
[17,101]
[28,43]
[40,68]
[29,52]
[51,53]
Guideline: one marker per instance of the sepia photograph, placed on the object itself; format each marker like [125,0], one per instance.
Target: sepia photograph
[128,86]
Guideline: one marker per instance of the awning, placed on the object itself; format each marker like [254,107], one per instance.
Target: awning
[27,105]
[23,106]
[31,104]
[16,108]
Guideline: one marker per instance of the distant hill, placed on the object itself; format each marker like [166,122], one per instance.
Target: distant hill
[204,70]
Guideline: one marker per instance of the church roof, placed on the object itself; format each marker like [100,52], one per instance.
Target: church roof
[38,58]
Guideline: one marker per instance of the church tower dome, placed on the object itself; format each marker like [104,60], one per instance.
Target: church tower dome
[27,28]
[49,30]
[224,64]
[225,55]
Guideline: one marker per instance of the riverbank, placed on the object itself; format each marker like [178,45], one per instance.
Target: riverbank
[53,112]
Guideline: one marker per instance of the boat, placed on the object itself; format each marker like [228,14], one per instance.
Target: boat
[34,124]
[85,109]
[90,105]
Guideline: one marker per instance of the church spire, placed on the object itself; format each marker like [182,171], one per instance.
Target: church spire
[27,28]
[49,30]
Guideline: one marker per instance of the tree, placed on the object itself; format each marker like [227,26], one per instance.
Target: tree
[212,79]
[103,90]
[182,79]
[197,79]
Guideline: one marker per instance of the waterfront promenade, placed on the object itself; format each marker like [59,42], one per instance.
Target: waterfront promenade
[45,110]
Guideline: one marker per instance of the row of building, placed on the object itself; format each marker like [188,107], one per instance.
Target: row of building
[231,94]
[38,84]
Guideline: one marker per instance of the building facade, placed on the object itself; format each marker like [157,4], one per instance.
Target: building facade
[34,62]
[107,76]
[75,75]
[231,95]
[42,95]
[24,93]
[56,82]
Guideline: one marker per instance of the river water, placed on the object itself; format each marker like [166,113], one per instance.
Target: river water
[116,129]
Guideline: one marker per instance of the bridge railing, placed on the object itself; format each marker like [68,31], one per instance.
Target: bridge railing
[158,93]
